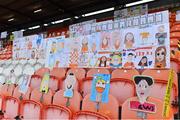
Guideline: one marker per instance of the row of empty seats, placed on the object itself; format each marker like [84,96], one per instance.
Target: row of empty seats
[6,53]
[121,80]
[174,39]
[37,105]
[17,68]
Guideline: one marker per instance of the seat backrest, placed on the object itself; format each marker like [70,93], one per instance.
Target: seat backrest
[35,81]
[18,69]
[80,73]
[54,83]
[88,115]
[126,87]
[2,79]
[17,94]
[28,69]
[111,109]
[56,113]
[7,90]
[93,71]
[11,107]
[30,110]
[37,96]
[175,35]
[174,42]
[132,114]
[42,71]
[1,96]
[58,72]
[161,76]
[57,76]
[121,80]
[124,73]
[32,61]
[59,99]
[174,65]
[175,28]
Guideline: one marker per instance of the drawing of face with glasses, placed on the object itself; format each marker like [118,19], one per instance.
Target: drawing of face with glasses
[160,57]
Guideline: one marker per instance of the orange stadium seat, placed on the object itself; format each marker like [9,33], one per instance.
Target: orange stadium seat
[55,112]
[175,35]
[32,109]
[42,71]
[110,109]
[59,99]
[88,115]
[14,102]
[56,77]
[132,114]
[121,80]
[159,88]
[35,81]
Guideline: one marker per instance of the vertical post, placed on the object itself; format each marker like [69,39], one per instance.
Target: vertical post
[68,102]
[97,106]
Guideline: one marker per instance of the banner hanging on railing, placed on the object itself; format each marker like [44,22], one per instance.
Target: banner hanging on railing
[30,47]
[139,42]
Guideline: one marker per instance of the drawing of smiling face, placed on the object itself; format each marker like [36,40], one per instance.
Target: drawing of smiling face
[143,90]
[160,55]
[100,86]
[143,86]
[116,59]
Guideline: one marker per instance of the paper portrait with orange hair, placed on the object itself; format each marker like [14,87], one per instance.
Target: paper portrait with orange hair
[100,88]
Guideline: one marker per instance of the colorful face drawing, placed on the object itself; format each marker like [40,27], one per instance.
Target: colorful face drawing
[160,57]
[100,88]
[116,39]
[51,60]
[105,41]
[116,60]
[143,62]
[129,40]
[84,45]
[143,86]
[29,44]
[100,85]
[60,46]
[103,61]
[69,85]
[129,62]
[53,47]
[144,36]
[93,47]
[45,83]
[38,41]
[161,35]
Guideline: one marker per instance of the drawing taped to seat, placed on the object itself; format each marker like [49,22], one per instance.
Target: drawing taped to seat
[100,88]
